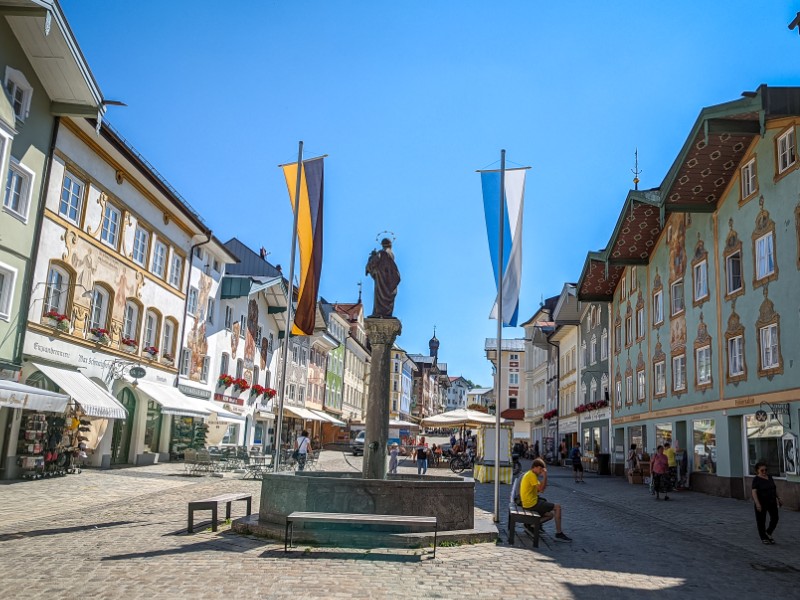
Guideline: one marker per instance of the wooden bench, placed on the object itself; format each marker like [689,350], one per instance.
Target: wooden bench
[357,519]
[212,504]
[517,514]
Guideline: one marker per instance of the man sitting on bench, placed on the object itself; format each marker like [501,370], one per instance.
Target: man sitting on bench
[533,483]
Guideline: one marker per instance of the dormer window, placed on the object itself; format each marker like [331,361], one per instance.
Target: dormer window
[20,92]
[786,152]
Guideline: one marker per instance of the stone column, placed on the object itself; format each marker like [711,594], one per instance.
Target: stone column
[381,334]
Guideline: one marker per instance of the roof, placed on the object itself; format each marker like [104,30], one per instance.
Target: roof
[546,308]
[250,263]
[513,344]
[515,414]
[479,391]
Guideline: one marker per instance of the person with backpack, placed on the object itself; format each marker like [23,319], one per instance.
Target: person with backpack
[577,464]
[302,446]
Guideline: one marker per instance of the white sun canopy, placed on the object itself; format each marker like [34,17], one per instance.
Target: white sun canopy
[26,397]
[93,400]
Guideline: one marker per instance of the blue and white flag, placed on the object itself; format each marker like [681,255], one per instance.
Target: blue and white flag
[512,236]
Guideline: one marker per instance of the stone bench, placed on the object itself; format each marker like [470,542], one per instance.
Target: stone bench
[517,514]
[212,505]
[357,519]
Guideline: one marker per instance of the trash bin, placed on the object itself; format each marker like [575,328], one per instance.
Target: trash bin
[604,464]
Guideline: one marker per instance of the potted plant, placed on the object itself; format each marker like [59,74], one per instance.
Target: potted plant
[167,358]
[269,393]
[129,344]
[152,351]
[240,385]
[257,390]
[100,334]
[224,380]
[57,320]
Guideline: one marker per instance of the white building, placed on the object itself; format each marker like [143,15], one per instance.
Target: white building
[457,393]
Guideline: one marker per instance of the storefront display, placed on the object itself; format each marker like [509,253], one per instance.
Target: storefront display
[764,443]
[184,435]
[51,445]
[704,440]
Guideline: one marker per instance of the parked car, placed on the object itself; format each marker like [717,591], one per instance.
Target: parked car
[357,443]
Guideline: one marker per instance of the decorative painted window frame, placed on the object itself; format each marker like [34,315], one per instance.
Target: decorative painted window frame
[735,329]
[629,389]
[790,130]
[147,246]
[641,390]
[641,323]
[703,340]
[70,172]
[764,226]
[658,289]
[676,390]
[618,334]
[628,325]
[618,390]
[748,172]
[766,317]
[700,258]
[110,207]
[673,296]
[733,245]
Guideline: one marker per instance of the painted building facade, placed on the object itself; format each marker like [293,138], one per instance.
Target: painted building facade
[512,390]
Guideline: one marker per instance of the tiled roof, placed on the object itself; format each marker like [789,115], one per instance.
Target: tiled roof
[515,344]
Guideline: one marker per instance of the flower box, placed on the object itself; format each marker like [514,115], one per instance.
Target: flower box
[129,345]
[168,359]
[151,352]
[240,385]
[225,380]
[99,335]
[57,320]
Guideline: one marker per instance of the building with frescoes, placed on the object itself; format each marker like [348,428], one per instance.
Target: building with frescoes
[512,393]
[337,330]
[402,384]
[356,366]
[109,292]
[33,99]
[540,408]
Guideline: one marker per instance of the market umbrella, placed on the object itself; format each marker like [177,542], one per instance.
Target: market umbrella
[460,417]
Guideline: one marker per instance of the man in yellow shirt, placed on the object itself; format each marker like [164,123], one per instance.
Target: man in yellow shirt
[669,452]
[533,483]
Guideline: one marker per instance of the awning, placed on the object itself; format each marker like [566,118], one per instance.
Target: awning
[402,424]
[265,415]
[225,416]
[26,397]
[329,418]
[93,400]
[301,413]
[172,400]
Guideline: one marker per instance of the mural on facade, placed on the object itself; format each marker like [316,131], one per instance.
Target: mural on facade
[251,334]
[234,339]
[677,270]
[264,351]
[197,340]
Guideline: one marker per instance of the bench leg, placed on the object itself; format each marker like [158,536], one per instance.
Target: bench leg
[536,524]
[228,510]
[435,538]
[511,525]
[191,521]
[249,505]
[214,518]
[286,537]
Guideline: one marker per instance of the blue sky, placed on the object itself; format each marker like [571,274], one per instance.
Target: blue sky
[408,100]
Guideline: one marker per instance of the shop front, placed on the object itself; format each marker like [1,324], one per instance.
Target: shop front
[595,440]
[568,432]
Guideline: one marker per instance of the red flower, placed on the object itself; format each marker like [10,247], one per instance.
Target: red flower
[126,341]
[257,390]
[57,316]
[270,393]
[241,384]
[225,380]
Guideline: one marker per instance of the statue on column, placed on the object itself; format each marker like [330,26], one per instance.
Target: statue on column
[383,269]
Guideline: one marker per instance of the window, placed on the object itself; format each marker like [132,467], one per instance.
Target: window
[110,230]
[619,392]
[71,203]
[593,391]
[640,385]
[130,324]
[141,240]
[629,389]
[56,292]
[20,93]
[303,357]
[658,307]
[633,279]
[301,395]
[224,364]
[175,270]
[640,322]
[617,337]
[159,259]
[604,345]
[168,339]
[623,288]
[659,378]
[206,369]
[677,297]
[150,329]
[19,185]
[228,318]
[239,368]
[786,151]
[191,301]
[215,265]
[584,356]
[701,280]
[186,361]
[628,330]
[769,347]
[242,325]
[748,178]
[765,256]
[593,350]
[703,360]
[210,311]
[231,435]
[255,375]
[736,356]
[99,308]
[513,379]
[259,336]
[679,372]
[8,277]
[734,272]
[704,438]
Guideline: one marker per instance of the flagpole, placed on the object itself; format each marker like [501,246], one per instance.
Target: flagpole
[499,372]
[289,313]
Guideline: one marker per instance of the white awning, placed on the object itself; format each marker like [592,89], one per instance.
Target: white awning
[93,400]
[223,415]
[329,418]
[402,424]
[301,413]
[26,397]
[172,400]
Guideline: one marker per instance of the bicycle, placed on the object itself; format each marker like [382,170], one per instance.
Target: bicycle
[461,462]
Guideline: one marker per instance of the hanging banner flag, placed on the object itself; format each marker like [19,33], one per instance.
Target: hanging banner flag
[512,235]
[309,238]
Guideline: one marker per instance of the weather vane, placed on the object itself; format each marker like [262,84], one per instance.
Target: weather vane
[635,170]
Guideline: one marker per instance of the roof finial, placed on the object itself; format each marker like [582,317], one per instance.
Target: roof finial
[359,291]
[635,170]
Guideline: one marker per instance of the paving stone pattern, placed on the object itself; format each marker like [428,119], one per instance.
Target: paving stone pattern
[121,534]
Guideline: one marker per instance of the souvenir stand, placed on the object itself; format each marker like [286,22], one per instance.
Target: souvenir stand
[484,468]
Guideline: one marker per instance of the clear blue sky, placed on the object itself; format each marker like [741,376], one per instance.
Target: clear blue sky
[408,99]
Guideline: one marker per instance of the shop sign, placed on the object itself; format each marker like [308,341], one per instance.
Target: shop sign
[239,410]
[137,372]
[230,399]
[193,391]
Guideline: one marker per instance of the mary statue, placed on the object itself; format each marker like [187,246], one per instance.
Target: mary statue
[382,268]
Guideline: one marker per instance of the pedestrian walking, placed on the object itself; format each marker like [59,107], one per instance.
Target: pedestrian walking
[659,469]
[302,446]
[422,460]
[577,464]
[533,483]
[536,453]
[672,464]
[767,501]
[393,452]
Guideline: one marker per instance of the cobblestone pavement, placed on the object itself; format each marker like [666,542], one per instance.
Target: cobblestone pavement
[121,534]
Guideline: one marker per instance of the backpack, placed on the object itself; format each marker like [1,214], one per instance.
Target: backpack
[575,454]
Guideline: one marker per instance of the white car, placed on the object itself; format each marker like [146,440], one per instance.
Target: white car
[357,443]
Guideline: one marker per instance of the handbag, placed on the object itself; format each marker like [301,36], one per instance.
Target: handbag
[295,454]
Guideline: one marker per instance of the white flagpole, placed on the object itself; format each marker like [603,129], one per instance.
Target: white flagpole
[289,314]
[498,383]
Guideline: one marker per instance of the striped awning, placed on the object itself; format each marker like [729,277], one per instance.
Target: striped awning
[93,400]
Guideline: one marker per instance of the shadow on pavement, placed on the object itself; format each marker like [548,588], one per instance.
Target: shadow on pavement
[338,554]
[59,530]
